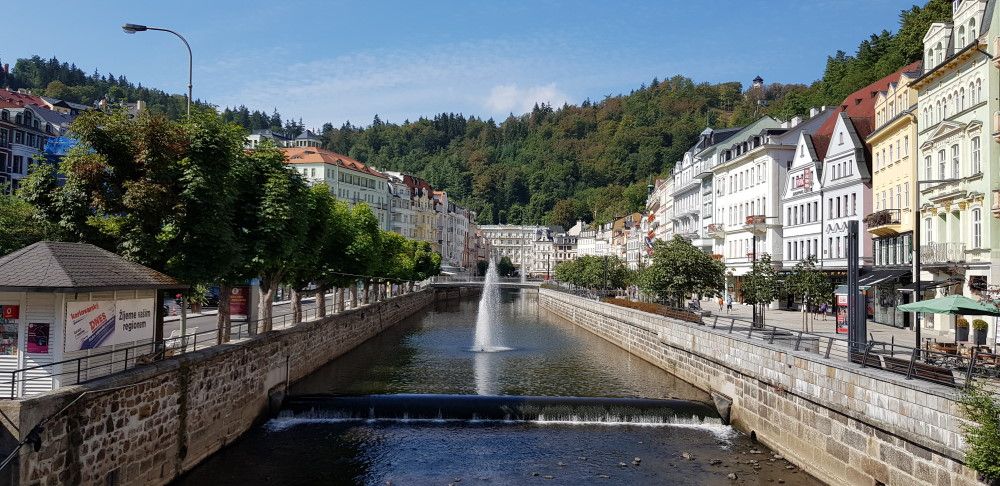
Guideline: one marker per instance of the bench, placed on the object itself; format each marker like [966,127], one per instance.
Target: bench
[924,371]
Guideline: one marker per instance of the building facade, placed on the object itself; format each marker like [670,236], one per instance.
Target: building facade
[349,180]
[894,155]
[515,242]
[957,167]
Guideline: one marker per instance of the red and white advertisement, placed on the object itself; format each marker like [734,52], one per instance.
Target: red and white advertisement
[239,302]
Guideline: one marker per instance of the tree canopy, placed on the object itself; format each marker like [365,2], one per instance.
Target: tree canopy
[680,269]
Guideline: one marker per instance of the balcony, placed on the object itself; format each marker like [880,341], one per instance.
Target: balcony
[883,223]
[687,186]
[705,172]
[756,223]
[942,253]
[717,231]
[996,203]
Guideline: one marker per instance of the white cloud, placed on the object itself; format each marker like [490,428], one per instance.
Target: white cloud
[509,98]
[482,78]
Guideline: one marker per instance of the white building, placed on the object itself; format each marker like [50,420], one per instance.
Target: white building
[402,216]
[513,241]
[660,204]
[348,180]
[846,192]
[692,207]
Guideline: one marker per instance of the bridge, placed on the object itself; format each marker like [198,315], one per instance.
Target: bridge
[456,281]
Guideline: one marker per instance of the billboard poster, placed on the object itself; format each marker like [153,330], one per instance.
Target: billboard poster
[38,338]
[8,337]
[239,301]
[91,325]
[841,314]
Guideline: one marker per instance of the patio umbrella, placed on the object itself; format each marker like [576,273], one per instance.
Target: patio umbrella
[951,304]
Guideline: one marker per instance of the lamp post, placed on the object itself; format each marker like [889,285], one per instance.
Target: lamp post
[916,255]
[133,28]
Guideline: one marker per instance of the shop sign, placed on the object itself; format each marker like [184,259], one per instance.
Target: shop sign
[94,324]
[803,182]
[10,311]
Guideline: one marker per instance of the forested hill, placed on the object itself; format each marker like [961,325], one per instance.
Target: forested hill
[554,164]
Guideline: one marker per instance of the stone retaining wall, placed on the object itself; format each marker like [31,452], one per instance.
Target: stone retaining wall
[152,423]
[841,423]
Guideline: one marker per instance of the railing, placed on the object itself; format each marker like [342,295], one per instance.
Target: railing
[717,230]
[942,253]
[945,368]
[92,366]
[882,218]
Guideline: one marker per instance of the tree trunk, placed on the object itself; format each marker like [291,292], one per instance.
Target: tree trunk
[223,319]
[354,296]
[296,305]
[368,291]
[268,287]
[321,301]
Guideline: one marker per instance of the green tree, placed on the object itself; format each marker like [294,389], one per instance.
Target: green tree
[505,267]
[760,285]
[810,286]
[982,434]
[22,224]
[305,264]
[679,269]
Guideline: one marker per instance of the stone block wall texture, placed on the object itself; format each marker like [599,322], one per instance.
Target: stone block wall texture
[152,423]
[841,423]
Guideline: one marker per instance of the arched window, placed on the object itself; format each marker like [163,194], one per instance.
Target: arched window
[929,60]
[942,164]
[938,54]
[944,107]
[976,164]
[961,99]
[956,170]
[961,36]
[979,89]
[972,94]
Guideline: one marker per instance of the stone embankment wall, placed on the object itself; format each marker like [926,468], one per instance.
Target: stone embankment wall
[839,422]
[152,423]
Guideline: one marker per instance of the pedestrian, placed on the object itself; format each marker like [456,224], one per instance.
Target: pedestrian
[720,303]
[729,304]
[822,310]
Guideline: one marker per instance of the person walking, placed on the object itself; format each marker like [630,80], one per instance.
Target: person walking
[720,303]
[729,304]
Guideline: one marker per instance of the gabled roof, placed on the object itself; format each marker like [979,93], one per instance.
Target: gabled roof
[860,105]
[315,155]
[50,266]
[22,98]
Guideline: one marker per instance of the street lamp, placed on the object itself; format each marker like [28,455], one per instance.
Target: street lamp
[133,28]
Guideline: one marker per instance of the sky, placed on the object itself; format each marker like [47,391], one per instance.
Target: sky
[336,61]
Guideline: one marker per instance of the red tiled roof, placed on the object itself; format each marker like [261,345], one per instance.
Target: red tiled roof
[859,106]
[22,99]
[314,155]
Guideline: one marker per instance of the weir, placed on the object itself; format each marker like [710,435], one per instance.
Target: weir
[585,410]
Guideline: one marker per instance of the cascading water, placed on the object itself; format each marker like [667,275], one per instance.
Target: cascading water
[487,319]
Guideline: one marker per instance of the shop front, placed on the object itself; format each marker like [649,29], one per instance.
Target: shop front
[62,301]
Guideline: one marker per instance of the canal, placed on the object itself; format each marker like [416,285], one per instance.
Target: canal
[375,415]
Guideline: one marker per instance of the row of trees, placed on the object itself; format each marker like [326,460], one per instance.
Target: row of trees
[679,270]
[185,198]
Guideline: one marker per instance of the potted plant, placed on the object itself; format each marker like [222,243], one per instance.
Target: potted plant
[980,327]
[962,326]
[198,297]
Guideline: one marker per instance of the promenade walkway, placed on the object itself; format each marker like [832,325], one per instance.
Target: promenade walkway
[792,320]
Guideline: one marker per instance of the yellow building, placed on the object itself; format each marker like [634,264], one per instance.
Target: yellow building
[894,199]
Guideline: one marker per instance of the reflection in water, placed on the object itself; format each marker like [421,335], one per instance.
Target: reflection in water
[485,379]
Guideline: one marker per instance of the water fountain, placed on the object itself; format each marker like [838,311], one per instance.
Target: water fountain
[487,319]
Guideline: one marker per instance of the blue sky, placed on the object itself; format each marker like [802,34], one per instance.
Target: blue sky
[336,61]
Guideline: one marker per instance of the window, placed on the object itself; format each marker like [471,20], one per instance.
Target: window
[929,229]
[955,164]
[961,36]
[941,164]
[18,164]
[840,138]
[977,228]
[906,196]
[929,164]
[829,204]
[884,206]
[854,204]
[961,99]
[899,197]
[976,167]
[972,30]
[972,94]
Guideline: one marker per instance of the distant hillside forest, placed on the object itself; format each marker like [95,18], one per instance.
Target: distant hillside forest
[555,164]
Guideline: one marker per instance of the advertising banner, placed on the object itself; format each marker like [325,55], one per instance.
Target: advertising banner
[10,311]
[841,314]
[90,325]
[8,337]
[239,302]
[38,338]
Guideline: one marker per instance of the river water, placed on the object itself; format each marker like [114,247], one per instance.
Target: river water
[548,357]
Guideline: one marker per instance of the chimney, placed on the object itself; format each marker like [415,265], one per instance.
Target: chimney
[813,112]
[795,121]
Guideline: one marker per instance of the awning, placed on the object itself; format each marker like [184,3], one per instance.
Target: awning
[879,276]
[930,285]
